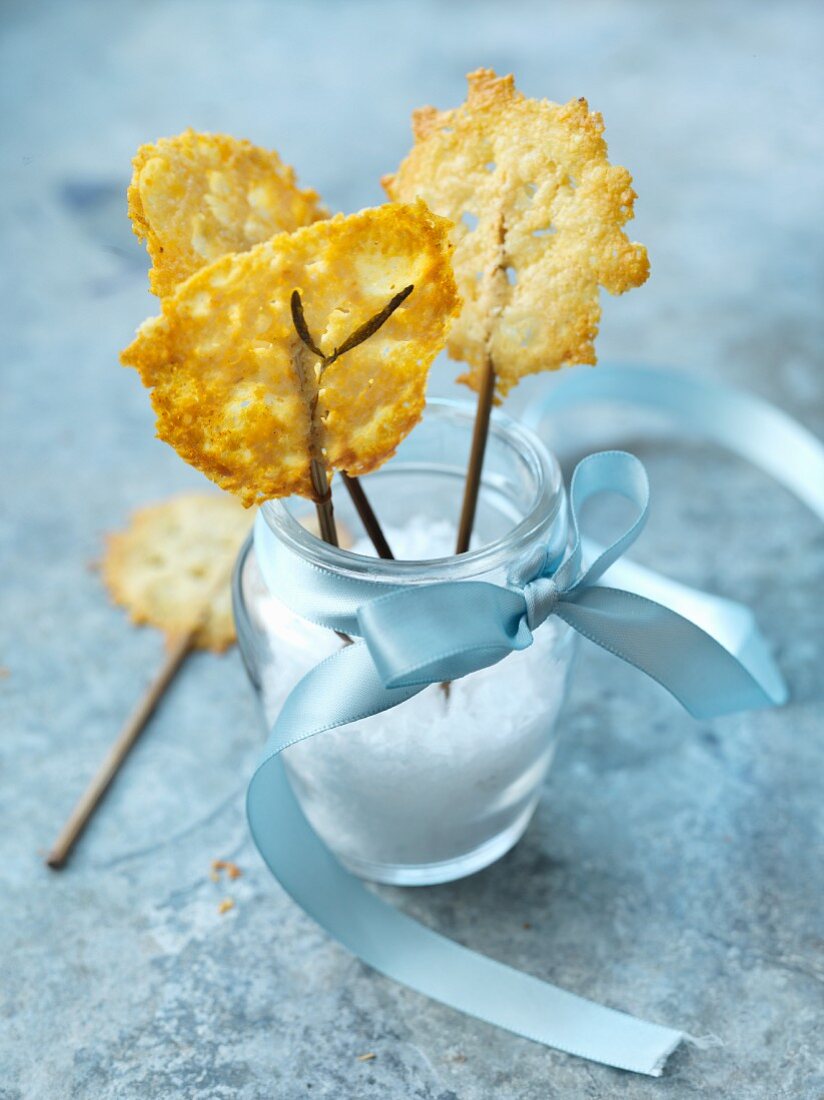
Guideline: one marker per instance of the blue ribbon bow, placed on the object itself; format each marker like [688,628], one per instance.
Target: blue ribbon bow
[423,635]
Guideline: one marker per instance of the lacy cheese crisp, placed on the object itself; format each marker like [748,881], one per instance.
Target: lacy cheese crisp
[195,197]
[174,559]
[239,396]
[539,212]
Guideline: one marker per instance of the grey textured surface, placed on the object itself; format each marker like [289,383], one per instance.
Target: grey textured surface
[674,868]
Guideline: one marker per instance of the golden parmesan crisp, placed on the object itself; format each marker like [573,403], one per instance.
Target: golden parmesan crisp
[242,399]
[539,213]
[173,559]
[195,197]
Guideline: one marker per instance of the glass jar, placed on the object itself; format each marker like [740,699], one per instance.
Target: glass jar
[447,782]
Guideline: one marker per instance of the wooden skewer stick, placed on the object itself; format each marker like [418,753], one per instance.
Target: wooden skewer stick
[368,517]
[91,797]
[323,503]
[320,483]
[373,528]
[494,291]
[326,516]
[480,434]
[178,648]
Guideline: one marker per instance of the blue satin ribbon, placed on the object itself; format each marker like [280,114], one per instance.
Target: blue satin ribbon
[443,631]
[414,637]
[743,423]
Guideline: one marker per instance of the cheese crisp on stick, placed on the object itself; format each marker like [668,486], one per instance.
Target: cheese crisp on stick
[174,559]
[241,397]
[195,197]
[539,213]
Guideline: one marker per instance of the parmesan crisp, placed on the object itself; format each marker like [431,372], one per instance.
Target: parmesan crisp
[195,197]
[173,559]
[240,397]
[539,214]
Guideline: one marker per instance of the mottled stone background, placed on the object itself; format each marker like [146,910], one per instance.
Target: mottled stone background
[674,867]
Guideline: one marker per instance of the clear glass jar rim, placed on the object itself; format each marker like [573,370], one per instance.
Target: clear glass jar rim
[542,513]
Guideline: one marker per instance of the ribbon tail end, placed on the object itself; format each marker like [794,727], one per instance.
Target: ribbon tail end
[660,1062]
[756,657]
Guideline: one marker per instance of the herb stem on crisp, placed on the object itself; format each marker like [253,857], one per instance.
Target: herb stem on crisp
[320,482]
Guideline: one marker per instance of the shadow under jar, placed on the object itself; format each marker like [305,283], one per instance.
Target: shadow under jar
[445,783]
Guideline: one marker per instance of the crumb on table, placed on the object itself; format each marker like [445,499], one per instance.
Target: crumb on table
[232,870]
[225,906]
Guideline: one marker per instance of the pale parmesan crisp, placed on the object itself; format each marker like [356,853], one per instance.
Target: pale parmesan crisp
[240,397]
[174,559]
[538,211]
[195,197]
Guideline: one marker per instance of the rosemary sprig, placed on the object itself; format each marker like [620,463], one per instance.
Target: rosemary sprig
[362,333]
[370,327]
[353,485]
[301,328]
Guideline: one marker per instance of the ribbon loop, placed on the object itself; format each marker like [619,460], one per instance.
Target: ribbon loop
[607,472]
